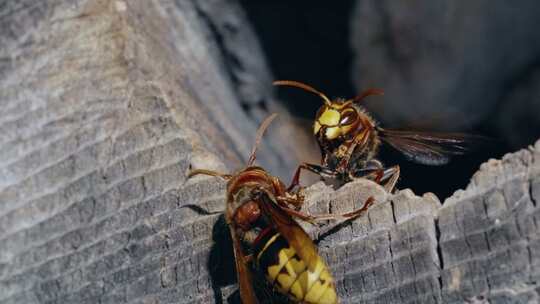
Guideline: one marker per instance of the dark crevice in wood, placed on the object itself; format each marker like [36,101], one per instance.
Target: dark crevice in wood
[231,62]
[439,252]
[228,57]
[531,193]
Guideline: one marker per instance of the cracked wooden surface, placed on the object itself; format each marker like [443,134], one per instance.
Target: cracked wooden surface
[105,104]
[479,246]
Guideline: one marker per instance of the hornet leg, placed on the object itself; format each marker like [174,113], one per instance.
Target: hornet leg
[319,170]
[324,217]
[374,170]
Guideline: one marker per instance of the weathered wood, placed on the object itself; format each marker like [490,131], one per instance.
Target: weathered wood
[480,246]
[105,104]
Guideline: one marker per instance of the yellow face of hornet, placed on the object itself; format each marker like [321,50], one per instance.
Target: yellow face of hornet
[335,120]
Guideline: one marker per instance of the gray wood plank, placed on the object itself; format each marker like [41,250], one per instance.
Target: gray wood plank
[105,105]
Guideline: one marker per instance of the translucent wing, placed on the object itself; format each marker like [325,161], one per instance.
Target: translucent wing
[431,148]
[245,280]
[291,231]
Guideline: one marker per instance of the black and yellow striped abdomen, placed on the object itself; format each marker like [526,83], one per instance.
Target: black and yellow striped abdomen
[286,272]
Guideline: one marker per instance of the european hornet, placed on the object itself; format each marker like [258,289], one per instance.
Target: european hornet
[349,139]
[267,239]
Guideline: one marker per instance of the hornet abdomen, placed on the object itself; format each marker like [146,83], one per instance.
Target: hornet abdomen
[289,274]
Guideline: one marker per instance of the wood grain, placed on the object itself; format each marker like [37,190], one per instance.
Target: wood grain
[106,104]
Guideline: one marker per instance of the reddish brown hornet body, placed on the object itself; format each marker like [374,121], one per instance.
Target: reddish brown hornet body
[267,239]
[350,138]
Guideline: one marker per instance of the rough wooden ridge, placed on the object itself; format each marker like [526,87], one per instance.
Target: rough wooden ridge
[105,104]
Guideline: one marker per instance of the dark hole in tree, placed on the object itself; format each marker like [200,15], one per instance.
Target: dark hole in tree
[309,42]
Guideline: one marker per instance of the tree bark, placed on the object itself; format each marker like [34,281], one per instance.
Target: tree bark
[479,246]
[106,104]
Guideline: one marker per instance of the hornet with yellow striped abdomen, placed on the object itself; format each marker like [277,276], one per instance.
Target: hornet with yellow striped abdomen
[350,138]
[267,239]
